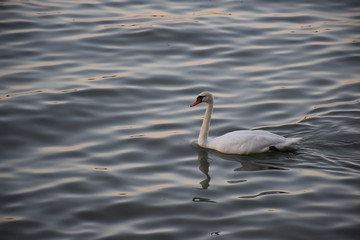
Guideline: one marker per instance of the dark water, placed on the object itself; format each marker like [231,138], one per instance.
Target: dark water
[98,140]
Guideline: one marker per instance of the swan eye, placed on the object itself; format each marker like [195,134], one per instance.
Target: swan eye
[200,98]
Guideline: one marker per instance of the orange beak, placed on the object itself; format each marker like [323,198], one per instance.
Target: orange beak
[196,102]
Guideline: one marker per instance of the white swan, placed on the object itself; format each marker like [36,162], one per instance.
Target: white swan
[238,142]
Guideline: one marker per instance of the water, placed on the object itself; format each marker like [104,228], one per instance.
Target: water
[98,140]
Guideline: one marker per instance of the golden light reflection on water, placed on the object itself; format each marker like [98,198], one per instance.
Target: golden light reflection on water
[319,27]
[132,165]
[156,134]
[192,182]
[101,168]
[49,13]
[41,3]
[272,210]
[106,76]
[21,87]
[149,24]
[126,127]
[284,87]
[210,61]
[313,173]
[334,104]
[35,92]
[123,194]
[9,219]
[67,148]
[161,121]
[40,64]
[256,68]
[283,14]
[32,2]
[80,36]
[312,31]
[3,73]
[168,18]
[351,81]
[42,170]
[25,30]
[153,14]
[154,188]
[54,102]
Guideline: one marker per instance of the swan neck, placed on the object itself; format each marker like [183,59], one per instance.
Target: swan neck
[204,131]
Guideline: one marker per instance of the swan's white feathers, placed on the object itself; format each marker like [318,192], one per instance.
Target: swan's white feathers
[248,141]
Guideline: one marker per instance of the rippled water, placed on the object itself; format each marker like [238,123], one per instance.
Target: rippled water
[98,140]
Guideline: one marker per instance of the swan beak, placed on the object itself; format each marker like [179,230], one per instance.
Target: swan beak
[196,102]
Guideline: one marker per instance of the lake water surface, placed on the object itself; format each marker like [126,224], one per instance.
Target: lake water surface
[97,139]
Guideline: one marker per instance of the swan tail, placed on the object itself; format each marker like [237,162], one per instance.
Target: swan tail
[288,144]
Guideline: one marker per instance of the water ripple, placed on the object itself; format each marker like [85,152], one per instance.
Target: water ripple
[98,140]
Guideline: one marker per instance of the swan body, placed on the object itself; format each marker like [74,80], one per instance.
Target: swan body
[241,141]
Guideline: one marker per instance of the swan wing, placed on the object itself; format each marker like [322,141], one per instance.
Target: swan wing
[247,141]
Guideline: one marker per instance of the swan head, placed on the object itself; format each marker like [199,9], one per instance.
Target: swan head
[203,97]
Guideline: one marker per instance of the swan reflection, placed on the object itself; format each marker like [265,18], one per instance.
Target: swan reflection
[203,158]
[247,163]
